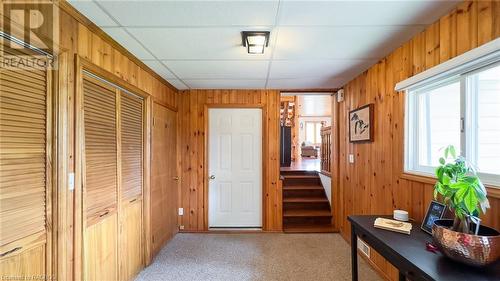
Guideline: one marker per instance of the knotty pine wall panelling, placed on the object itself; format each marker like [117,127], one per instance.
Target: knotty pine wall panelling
[80,37]
[192,105]
[374,184]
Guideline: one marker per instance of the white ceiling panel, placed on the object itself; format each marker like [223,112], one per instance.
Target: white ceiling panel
[92,11]
[350,42]
[219,69]
[313,44]
[192,13]
[282,69]
[159,68]
[196,43]
[344,13]
[122,37]
[228,84]
[306,83]
[177,84]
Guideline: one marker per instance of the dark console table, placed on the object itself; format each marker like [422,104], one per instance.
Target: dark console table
[408,253]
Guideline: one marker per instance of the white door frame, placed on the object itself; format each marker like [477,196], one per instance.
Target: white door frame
[206,158]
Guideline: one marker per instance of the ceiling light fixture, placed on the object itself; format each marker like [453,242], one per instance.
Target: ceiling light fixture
[255,41]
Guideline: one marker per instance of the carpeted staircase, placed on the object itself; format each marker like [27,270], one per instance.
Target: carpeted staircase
[305,205]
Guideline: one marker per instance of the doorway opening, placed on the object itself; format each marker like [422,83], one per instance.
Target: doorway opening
[305,155]
[305,129]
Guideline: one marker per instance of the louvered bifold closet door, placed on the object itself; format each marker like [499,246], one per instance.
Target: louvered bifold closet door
[131,135]
[24,167]
[100,150]
[100,181]
[131,112]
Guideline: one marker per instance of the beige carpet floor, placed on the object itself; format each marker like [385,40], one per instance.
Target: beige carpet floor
[260,256]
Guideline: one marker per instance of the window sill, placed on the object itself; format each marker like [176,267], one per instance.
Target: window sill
[493,190]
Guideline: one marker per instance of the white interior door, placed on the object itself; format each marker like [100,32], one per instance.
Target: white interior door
[235,167]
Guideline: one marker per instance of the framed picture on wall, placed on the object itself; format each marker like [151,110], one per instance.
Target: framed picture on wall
[361,124]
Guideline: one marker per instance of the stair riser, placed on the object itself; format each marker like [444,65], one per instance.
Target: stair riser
[303,193]
[306,220]
[301,181]
[306,206]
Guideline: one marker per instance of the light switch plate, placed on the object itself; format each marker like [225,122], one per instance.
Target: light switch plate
[71,181]
[351,158]
[181,211]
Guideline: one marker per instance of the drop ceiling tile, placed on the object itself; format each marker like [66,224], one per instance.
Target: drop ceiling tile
[219,69]
[225,84]
[198,43]
[178,84]
[128,42]
[93,12]
[346,42]
[306,83]
[192,13]
[363,12]
[282,69]
[159,68]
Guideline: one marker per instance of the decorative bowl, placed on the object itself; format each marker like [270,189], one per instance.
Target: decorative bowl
[476,250]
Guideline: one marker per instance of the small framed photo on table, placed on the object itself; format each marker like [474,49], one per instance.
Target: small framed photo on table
[435,212]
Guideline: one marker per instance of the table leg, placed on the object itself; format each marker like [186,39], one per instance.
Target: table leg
[354,254]
[402,277]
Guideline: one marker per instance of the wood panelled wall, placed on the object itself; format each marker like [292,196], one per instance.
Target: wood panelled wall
[192,121]
[80,37]
[374,183]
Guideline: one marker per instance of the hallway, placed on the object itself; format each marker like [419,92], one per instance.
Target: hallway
[253,256]
[304,164]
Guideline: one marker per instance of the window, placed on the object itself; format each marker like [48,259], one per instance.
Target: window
[464,111]
[313,132]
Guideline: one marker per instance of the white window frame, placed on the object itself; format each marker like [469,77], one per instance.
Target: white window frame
[468,132]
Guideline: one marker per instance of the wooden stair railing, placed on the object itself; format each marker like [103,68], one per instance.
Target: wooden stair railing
[326,150]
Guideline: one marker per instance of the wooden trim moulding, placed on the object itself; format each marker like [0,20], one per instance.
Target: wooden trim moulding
[264,157]
[493,191]
[337,200]
[82,64]
[87,65]
[65,6]
[313,90]
[174,109]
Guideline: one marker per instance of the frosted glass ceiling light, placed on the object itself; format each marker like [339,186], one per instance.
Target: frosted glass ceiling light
[255,41]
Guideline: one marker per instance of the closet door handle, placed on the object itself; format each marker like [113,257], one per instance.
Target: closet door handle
[104,213]
[175,178]
[212,177]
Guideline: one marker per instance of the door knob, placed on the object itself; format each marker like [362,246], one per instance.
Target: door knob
[175,178]
[212,177]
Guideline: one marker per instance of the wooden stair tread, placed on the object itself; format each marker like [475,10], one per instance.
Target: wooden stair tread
[301,176]
[303,187]
[307,213]
[303,228]
[305,200]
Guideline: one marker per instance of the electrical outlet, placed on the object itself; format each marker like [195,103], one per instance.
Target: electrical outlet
[351,158]
[181,211]
[181,227]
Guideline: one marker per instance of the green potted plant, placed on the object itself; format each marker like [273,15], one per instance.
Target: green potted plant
[463,239]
